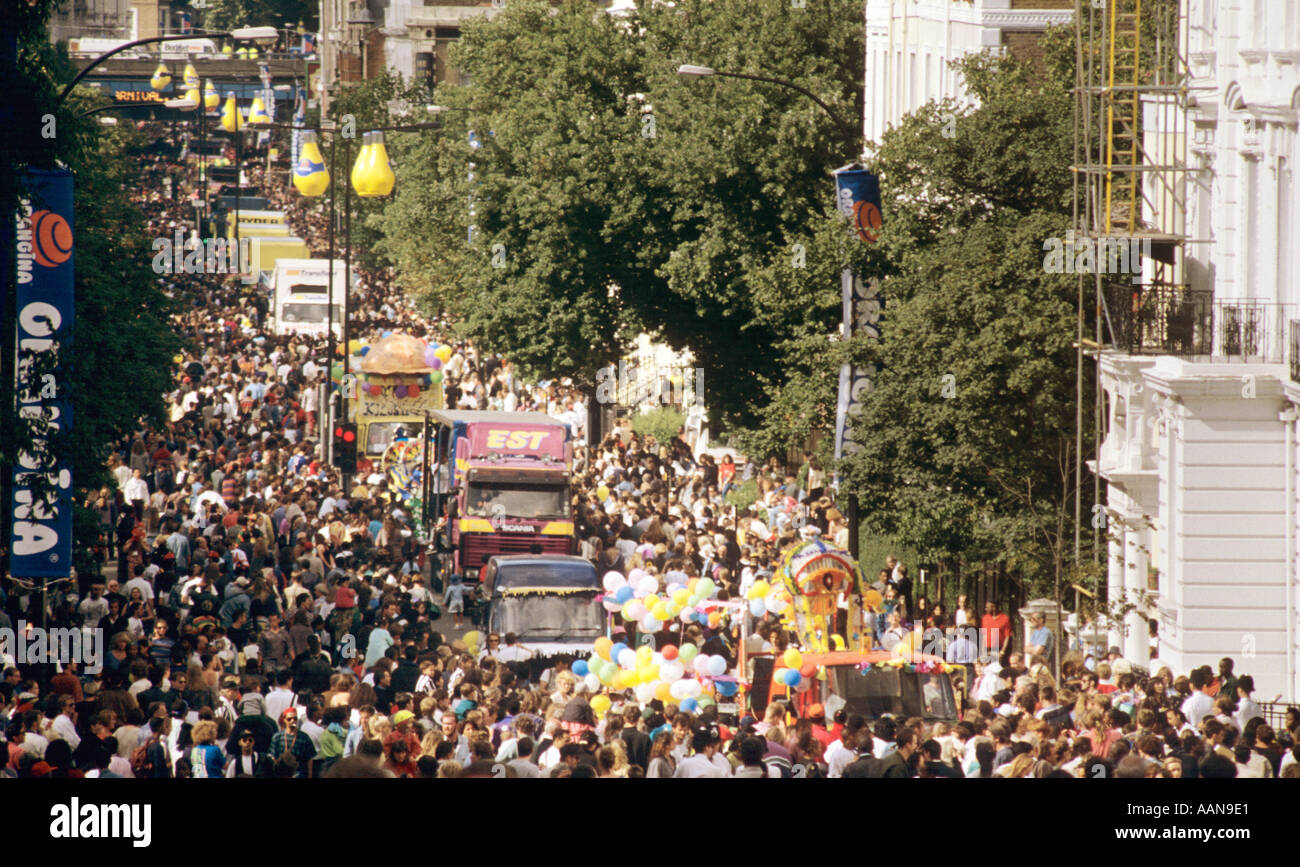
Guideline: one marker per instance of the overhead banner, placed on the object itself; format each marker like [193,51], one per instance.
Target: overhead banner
[857,195]
[42,489]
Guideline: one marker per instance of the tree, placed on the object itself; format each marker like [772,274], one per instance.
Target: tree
[611,197]
[968,435]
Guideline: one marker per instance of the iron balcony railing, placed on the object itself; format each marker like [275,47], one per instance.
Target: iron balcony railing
[1295,350]
[1184,322]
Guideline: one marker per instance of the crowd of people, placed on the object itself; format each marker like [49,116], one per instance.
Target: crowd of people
[264,620]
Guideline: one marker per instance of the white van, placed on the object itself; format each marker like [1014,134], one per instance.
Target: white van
[300,290]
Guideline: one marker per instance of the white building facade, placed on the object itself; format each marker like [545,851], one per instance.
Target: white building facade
[1200,452]
[910,42]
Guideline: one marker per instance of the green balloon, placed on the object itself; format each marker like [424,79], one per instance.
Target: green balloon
[705,701]
[608,671]
[687,652]
[436,377]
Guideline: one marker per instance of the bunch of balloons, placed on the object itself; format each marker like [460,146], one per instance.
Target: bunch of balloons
[796,674]
[769,598]
[639,600]
[681,675]
[436,356]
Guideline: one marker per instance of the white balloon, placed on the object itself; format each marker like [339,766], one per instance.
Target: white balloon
[717,665]
[634,577]
[648,584]
[679,690]
[644,692]
[611,604]
[672,670]
[774,604]
[650,624]
[692,688]
[700,664]
[613,581]
[637,609]
[687,614]
[627,658]
[592,682]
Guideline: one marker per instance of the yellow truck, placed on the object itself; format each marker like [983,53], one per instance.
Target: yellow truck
[264,252]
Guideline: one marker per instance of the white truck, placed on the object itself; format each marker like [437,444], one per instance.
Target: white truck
[300,295]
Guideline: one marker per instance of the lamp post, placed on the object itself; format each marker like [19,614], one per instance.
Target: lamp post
[850,134]
[372,158]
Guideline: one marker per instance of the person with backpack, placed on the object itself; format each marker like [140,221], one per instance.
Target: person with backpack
[151,758]
[247,761]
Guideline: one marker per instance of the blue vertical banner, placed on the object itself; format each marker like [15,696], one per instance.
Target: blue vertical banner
[857,196]
[299,119]
[42,489]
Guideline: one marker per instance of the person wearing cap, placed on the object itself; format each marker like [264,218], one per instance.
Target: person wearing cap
[706,760]
[245,761]
[403,730]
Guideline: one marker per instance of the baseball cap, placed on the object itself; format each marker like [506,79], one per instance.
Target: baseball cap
[402,716]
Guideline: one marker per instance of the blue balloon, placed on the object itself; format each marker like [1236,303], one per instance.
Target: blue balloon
[701,617]
[689,705]
[726,687]
[792,677]
[388,334]
[616,650]
[624,594]
[580,667]
[365,349]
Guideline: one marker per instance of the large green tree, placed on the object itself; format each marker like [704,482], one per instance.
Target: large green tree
[611,196]
[968,437]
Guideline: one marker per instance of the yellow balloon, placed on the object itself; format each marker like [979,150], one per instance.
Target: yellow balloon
[872,599]
[660,611]
[602,493]
[602,647]
[444,353]
[792,658]
[681,597]
[651,674]
[644,654]
[759,589]
[663,692]
[600,704]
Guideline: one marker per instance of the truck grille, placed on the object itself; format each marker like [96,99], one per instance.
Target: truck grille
[476,548]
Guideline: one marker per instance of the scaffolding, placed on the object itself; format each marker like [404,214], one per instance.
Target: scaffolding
[1130,189]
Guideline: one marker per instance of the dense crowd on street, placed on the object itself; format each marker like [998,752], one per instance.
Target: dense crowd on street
[261,619]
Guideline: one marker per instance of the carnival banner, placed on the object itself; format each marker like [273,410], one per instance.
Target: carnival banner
[42,489]
[857,195]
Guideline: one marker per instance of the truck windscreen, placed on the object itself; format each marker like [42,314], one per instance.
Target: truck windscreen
[518,500]
[576,617]
[887,690]
[310,312]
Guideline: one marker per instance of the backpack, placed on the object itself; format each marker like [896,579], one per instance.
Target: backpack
[141,764]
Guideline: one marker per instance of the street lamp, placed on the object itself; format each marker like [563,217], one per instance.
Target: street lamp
[690,70]
[371,176]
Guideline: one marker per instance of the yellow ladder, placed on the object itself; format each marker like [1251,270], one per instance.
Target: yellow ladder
[1123,117]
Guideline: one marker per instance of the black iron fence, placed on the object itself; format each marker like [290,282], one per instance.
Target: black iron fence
[1145,320]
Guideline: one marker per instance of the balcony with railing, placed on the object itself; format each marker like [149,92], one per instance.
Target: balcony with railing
[1191,323]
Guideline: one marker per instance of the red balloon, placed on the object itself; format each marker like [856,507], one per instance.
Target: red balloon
[808,670]
[670,651]
[413,391]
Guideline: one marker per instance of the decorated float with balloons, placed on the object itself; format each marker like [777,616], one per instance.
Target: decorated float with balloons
[398,382]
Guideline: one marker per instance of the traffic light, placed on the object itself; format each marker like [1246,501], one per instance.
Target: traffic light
[345,447]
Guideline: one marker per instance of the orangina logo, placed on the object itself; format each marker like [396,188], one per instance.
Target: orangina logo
[53,239]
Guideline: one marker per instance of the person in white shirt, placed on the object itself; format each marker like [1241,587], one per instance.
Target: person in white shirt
[705,762]
[1247,709]
[136,491]
[512,652]
[94,607]
[64,726]
[142,584]
[279,699]
[840,754]
[1198,705]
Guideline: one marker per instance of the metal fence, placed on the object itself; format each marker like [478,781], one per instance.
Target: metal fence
[1146,320]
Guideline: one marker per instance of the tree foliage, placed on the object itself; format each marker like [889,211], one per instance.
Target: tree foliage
[969,432]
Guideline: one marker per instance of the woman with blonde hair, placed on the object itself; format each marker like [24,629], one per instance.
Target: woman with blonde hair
[206,760]
[429,743]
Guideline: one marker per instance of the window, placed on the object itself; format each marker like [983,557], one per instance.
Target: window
[518,500]
[314,313]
